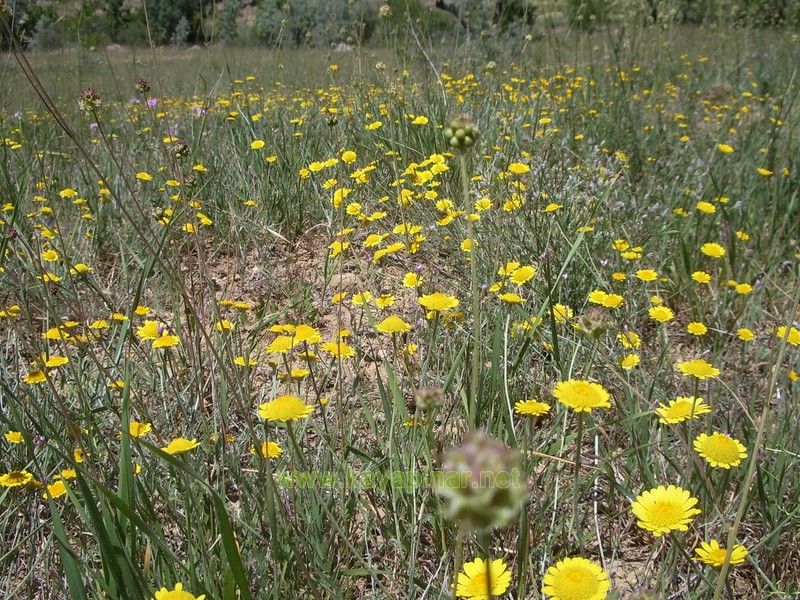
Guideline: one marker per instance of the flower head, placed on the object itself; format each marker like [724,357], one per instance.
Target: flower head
[662,314]
[581,395]
[15,478]
[711,553]
[712,250]
[697,328]
[285,408]
[791,335]
[177,593]
[55,490]
[137,429]
[481,580]
[267,450]
[720,450]
[531,408]
[13,437]
[697,367]
[576,579]
[180,445]
[681,409]
[664,509]
[392,324]
[438,302]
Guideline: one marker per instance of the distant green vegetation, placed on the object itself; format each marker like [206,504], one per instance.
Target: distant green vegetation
[47,24]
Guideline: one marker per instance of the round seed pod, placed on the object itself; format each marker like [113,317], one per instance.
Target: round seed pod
[461,133]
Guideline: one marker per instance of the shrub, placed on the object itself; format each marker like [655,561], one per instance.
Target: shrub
[47,35]
[306,22]
[588,14]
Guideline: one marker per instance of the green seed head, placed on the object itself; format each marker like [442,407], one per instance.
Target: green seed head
[461,133]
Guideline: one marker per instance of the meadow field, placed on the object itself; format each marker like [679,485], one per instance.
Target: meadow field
[414,322]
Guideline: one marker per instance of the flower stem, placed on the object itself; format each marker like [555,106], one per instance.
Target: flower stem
[578,445]
[476,317]
[458,558]
[296,446]
[487,557]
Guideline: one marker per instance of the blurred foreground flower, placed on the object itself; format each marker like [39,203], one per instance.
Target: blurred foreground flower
[481,483]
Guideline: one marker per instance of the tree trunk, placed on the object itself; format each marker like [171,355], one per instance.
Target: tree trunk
[453,10]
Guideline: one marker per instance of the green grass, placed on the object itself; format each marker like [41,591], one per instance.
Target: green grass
[619,129]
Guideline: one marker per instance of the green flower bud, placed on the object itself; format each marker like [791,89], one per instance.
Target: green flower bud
[461,133]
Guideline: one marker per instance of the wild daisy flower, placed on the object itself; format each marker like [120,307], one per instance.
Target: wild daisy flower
[285,408]
[267,450]
[792,335]
[711,553]
[180,445]
[581,395]
[15,478]
[664,509]
[137,429]
[531,408]
[55,490]
[681,409]
[662,314]
[576,578]
[481,579]
[438,302]
[712,250]
[177,593]
[720,450]
[697,367]
[392,324]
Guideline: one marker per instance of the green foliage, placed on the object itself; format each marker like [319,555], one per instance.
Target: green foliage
[227,29]
[114,16]
[310,23]
[166,15]
[429,21]
[588,14]
[24,20]
[180,36]
[513,13]
[47,35]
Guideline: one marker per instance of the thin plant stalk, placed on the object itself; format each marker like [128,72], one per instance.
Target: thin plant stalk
[473,290]
[578,445]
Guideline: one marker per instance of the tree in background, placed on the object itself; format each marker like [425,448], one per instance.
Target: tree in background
[312,23]
[114,16]
[166,15]
[227,30]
